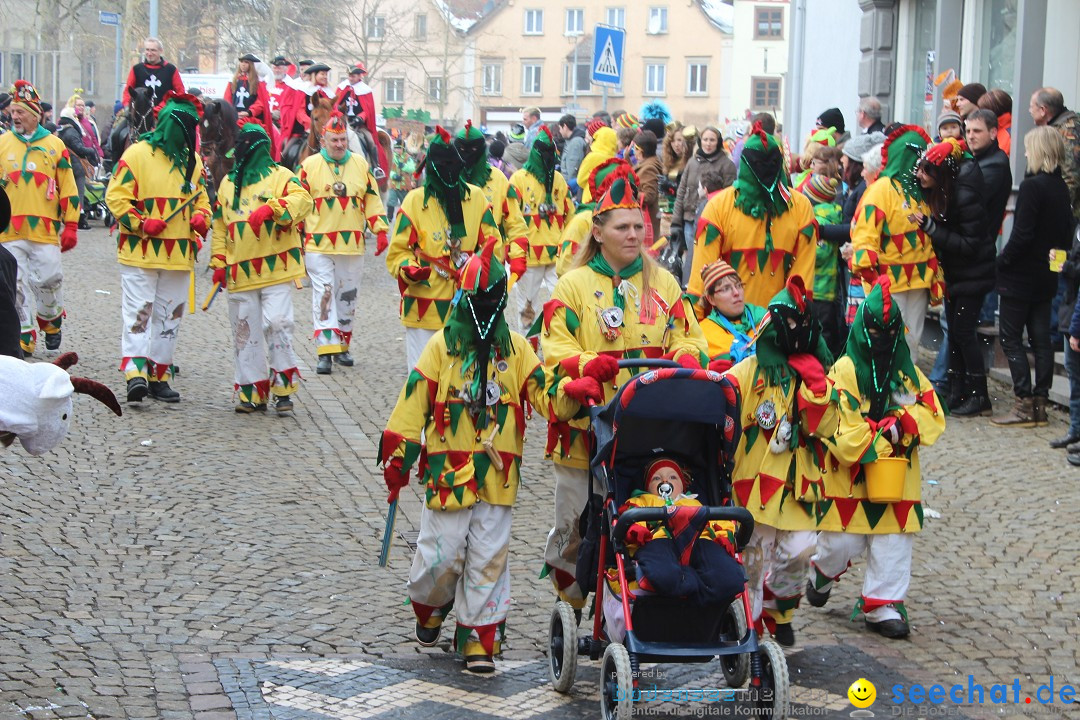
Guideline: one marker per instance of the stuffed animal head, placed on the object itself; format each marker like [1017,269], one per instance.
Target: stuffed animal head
[37,404]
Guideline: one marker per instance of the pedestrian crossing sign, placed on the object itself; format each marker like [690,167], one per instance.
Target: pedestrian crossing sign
[607,60]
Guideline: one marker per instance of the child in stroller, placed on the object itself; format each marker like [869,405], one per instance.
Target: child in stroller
[685,556]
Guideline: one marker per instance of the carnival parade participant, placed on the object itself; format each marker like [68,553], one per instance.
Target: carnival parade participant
[356,100]
[887,236]
[579,227]
[248,95]
[615,302]
[296,106]
[462,410]
[159,200]
[787,405]
[437,228]
[758,226]
[501,196]
[729,323]
[346,204]
[44,199]
[888,409]
[280,66]
[256,256]
[154,73]
[547,206]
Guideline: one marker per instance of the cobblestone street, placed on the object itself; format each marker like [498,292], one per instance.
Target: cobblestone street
[185,561]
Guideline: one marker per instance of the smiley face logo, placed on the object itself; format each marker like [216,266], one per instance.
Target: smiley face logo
[862,693]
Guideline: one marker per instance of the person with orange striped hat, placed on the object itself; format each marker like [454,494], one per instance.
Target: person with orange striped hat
[256,255]
[44,215]
[730,324]
[347,204]
[162,209]
[462,408]
[546,206]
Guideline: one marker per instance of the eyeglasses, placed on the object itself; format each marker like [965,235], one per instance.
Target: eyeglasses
[726,288]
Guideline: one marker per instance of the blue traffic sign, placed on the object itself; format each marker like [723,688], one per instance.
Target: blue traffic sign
[607,60]
[108,18]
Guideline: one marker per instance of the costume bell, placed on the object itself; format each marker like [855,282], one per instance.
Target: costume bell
[461,412]
[256,255]
[162,209]
[546,206]
[758,226]
[346,203]
[886,238]
[595,317]
[438,227]
[787,404]
[888,409]
[44,199]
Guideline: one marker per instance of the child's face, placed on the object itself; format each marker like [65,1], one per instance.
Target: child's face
[950,130]
[666,482]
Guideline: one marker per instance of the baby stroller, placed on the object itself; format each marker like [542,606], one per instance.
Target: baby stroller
[691,415]
[94,195]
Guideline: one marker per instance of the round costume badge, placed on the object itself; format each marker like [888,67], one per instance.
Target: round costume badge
[502,366]
[31,165]
[492,392]
[766,415]
[613,317]
[338,189]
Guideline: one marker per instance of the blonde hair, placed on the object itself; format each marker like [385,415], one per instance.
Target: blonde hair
[71,100]
[591,247]
[1045,149]
[673,162]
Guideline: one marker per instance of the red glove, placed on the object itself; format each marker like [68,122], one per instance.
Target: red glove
[259,216]
[908,424]
[889,429]
[720,365]
[518,266]
[414,274]
[601,367]
[583,390]
[69,236]
[381,243]
[638,534]
[690,361]
[810,370]
[219,276]
[152,227]
[395,477]
[199,225]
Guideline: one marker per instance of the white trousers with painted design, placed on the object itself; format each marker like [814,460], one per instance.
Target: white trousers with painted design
[152,304]
[262,323]
[463,557]
[560,553]
[40,277]
[416,339]
[888,568]
[335,284]
[776,562]
[533,290]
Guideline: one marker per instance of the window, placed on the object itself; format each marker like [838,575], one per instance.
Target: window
[534,22]
[492,79]
[582,78]
[615,16]
[768,23]
[575,21]
[697,77]
[88,75]
[436,89]
[655,78]
[376,27]
[393,91]
[766,95]
[420,26]
[657,21]
[18,66]
[531,77]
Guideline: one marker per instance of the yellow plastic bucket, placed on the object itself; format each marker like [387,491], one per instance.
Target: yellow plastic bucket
[885,479]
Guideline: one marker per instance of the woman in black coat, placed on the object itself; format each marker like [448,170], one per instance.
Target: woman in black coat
[71,132]
[1042,222]
[952,184]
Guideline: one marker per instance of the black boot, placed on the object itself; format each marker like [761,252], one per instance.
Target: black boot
[977,401]
[957,390]
[325,365]
[344,359]
[136,389]
[52,340]
[283,404]
[161,391]
[83,224]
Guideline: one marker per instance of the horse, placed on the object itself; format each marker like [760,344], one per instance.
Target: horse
[218,137]
[297,148]
[139,119]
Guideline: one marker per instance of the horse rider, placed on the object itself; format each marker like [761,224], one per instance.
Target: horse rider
[296,115]
[153,72]
[280,66]
[357,102]
[248,95]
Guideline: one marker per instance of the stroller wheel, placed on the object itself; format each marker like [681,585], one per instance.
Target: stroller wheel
[771,700]
[616,684]
[733,627]
[562,647]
